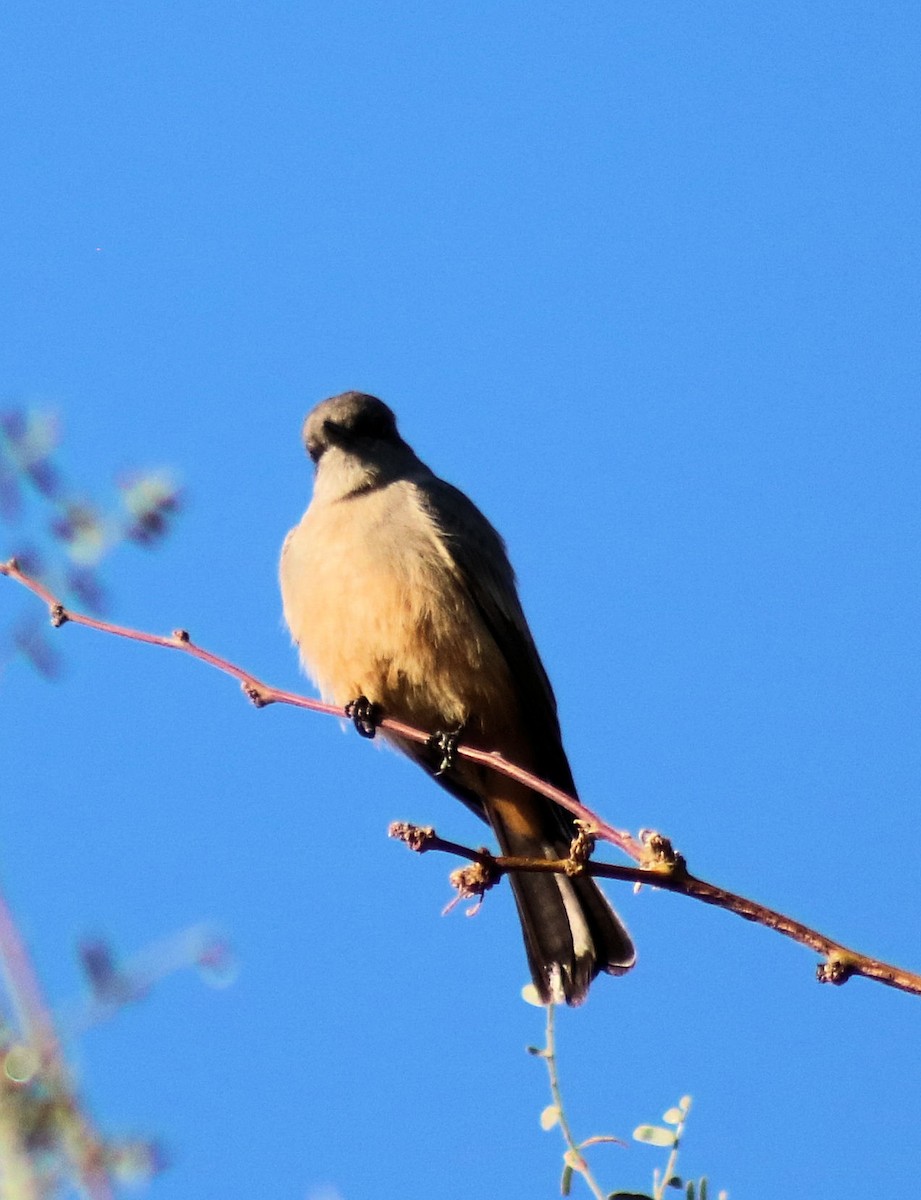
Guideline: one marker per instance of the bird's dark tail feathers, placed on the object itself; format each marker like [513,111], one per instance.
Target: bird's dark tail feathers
[571,932]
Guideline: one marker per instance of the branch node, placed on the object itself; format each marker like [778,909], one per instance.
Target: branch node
[581,849]
[257,697]
[835,969]
[182,635]
[59,615]
[418,838]
[474,881]
[660,855]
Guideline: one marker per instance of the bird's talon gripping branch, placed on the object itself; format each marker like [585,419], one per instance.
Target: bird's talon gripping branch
[365,715]
[446,745]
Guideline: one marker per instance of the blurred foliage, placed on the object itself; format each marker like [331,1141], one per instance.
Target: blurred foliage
[62,536]
[49,1145]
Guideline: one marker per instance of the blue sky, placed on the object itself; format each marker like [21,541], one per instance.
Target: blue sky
[644,281]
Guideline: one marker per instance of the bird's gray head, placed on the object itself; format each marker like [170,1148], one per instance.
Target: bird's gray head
[353,422]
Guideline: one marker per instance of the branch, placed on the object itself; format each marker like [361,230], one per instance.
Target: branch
[663,868]
[659,865]
[263,694]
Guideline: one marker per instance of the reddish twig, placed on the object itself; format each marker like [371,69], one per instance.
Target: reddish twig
[659,865]
[263,694]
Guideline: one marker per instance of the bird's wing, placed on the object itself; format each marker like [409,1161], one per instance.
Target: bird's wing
[481,562]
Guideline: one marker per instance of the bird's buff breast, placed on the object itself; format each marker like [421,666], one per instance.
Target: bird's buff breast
[378,610]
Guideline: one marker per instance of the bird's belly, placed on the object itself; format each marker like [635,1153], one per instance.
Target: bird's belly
[387,620]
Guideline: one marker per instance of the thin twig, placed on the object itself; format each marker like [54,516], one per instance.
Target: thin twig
[659,866]
[671,1165]
[574,1156]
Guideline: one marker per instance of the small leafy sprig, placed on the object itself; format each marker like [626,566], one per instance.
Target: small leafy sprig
[670,1138]
[574,1160]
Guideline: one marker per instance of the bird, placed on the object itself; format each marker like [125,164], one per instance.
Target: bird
[399,594]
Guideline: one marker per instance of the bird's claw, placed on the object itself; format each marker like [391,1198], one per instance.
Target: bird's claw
[446,745]
[365,715]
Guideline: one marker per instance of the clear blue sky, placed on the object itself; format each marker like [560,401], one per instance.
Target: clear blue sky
[643,280]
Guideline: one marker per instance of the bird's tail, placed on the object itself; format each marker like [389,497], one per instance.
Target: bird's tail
[570,930]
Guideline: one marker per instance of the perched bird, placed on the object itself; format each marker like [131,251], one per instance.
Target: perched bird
[397,589]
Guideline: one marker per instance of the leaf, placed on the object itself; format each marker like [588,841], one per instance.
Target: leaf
[536,1051]
[602,1137]
[654,1135]
[566,1181]
[674,1116]
[530,995]
[689,1191]
[151,500]
[703,1187]
[685,1104]
[549,1117]
[20,1064]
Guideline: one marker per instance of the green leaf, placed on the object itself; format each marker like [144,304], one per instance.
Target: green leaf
[21,1064]
[549,1117]
[689,1191]
[674,1116]
[654,1135]
[703,1187]
[566,1181]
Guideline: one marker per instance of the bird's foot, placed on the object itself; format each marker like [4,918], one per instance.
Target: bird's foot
[446,744]
[365,715]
